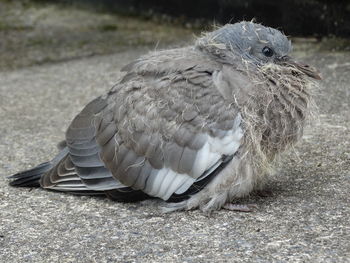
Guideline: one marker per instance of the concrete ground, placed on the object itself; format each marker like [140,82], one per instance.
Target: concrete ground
[305,220]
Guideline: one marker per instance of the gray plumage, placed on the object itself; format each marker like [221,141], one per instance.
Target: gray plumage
[199,124]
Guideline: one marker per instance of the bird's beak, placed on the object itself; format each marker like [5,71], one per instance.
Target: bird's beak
[306,69]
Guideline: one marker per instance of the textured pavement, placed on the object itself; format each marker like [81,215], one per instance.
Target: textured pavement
[305,220]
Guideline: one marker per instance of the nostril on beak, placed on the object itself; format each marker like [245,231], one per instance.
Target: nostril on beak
[284,58]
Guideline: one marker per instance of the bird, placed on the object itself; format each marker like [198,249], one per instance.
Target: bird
[197,127]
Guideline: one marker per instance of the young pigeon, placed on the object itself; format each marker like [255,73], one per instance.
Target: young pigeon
[197,126]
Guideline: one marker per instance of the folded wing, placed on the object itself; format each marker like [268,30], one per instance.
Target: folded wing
[164,131]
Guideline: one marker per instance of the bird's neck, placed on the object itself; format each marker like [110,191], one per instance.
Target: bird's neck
[280,104]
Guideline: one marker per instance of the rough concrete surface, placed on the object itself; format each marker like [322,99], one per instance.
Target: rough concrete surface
[305,220]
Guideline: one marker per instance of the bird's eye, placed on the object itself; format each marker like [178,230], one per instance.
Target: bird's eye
[268,52]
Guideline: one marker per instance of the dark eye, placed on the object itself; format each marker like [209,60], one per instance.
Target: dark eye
[268,52]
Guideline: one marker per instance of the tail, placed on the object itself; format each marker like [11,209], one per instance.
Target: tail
[30,178]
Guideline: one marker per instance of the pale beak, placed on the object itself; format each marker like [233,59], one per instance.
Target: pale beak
[306,69]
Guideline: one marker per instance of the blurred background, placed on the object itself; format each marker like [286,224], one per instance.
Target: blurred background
[37,32]
[300,17]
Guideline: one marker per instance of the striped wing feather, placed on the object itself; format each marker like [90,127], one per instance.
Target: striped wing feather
[160,131]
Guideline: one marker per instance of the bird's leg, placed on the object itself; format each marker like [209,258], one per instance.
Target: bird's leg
[240,208]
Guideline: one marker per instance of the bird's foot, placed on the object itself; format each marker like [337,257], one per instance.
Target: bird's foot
[240,208]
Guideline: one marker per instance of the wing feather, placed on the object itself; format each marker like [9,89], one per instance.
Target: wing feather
[81,168]
[166,127]
[168,135]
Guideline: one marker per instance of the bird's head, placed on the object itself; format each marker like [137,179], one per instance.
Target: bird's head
[259,45]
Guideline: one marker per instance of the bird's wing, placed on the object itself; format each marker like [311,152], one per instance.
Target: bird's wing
[163,129]
[166,125]
[79,168]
